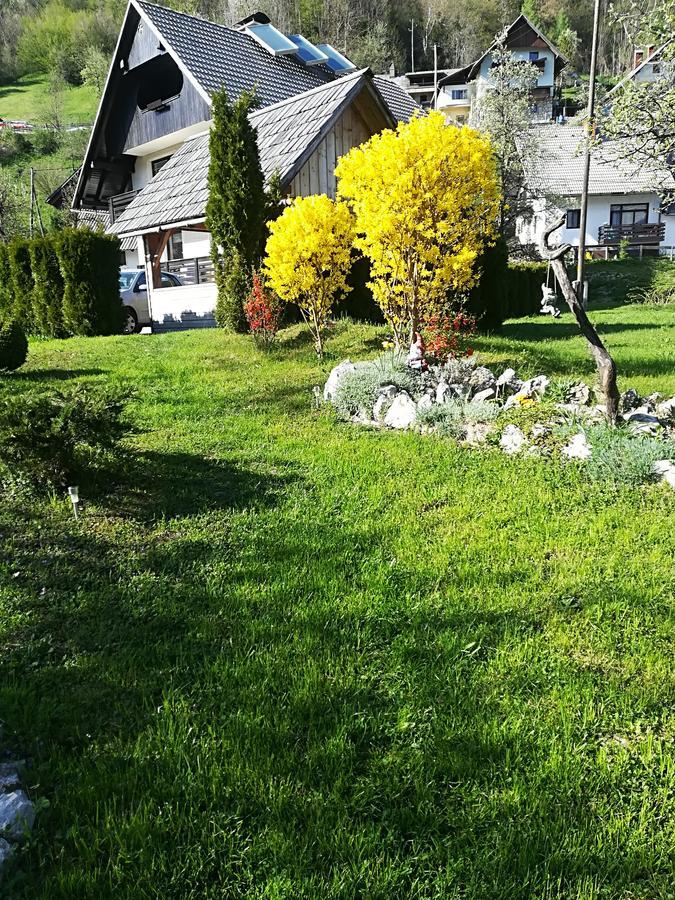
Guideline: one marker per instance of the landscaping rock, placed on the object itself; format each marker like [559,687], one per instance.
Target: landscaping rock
[381,406]
[508,383]
[476,433]
[664,469]
[539,431]
[488,394]
[402,413]
[17,814]
[481,379]
[424,402]
[579,393]
[513,440]
[577,447]
[442,391]
[535,386]
[9,777]
[666,409]
[336,375]
[641,421]
[630,399]
[388,390]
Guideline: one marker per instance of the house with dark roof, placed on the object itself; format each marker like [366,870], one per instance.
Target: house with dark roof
[146,164]
[455,91]
[625,199]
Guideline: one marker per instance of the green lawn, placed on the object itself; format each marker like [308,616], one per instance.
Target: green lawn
[285,657]
[27,98]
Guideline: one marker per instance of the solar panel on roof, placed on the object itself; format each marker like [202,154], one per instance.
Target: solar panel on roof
[336,61]
[271,39]
[307,52]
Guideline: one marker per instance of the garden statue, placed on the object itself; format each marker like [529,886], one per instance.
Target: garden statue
[548,299]
[416,358]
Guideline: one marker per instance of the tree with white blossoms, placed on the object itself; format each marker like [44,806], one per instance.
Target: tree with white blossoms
[504,112]
[643,113]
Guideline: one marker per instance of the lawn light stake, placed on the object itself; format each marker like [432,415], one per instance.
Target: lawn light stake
[74,494]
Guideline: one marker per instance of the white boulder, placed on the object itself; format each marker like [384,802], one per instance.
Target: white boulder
[380,408]
[424,402]
[482,396]
[402,413]
[508,382]
[335,377]
[512,440]
[535,386]
[17,814]
[442,391]
[664,469]
[577,447]
[579,393]
[666,409]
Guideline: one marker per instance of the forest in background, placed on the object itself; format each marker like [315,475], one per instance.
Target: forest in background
[73,39]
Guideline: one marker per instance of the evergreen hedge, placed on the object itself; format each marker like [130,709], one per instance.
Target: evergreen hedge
[48,288]
[522,296]
[6,293]
[89,264]
[21,280]
[13,346]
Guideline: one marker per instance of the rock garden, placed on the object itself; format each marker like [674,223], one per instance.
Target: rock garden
[538,416]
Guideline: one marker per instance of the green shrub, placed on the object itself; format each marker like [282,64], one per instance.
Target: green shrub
[523,289]
[621,457]
[89,264]
[45,141]
[451,418]
[234,286]
[21,279]
[487,300]
[6,294]
[358,390]
[54,438]
[47,289]
[13,346]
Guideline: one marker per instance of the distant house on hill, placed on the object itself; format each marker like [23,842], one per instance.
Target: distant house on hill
[625,203]
[147,162]
[458,89]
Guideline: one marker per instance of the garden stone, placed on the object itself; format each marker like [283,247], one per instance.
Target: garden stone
[579,394]
[425,402]
[630,399]
[513,440]
[508,382]
[442,391]
[482,396]
[540,431]
[402,412]
[381,406]
[6,851]
[458,392]
[481,379]
[476,433]
[16,814]
[665,470]
[577,447]
[641,421]
[335,377]
[666,409]
[9,777]
[388,390]
[538,385]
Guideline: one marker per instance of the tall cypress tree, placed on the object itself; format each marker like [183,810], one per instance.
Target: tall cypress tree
[235,212]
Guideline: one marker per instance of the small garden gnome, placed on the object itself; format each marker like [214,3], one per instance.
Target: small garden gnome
[416,358]
[548,306]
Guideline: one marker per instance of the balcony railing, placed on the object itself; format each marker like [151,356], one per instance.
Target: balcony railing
[192,271]
[119,203]
[644,233]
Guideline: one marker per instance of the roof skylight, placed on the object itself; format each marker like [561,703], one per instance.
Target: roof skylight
[308,52]
[336,61]
[271,39]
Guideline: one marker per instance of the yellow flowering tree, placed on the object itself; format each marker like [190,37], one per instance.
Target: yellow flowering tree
[308,258]
[425,200]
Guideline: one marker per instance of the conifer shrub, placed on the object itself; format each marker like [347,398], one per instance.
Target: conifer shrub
[13,346]
[47,289]
[21,280]
[6,294]
[89,264]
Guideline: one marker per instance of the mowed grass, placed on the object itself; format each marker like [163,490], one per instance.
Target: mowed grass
[285,657]
[28,98]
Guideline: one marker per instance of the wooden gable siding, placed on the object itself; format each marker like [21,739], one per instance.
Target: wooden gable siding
[189,108]
[317,176]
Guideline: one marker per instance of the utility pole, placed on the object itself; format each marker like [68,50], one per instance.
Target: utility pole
[412,45]
[435,76]
[587,156]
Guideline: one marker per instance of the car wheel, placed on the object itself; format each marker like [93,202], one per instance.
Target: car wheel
[130,321]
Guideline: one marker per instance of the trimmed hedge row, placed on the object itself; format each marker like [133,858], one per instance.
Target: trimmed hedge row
[66,283]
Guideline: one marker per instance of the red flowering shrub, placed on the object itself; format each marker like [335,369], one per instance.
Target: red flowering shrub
[447,335]
[263,314]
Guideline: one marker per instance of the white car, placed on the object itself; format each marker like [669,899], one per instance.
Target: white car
[134,297]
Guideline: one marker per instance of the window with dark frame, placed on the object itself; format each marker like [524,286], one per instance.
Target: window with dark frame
[628,214]
[175,246]
[534,55]
[158,164]
[573,218]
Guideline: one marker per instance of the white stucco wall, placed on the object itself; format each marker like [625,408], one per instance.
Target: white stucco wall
[546,77]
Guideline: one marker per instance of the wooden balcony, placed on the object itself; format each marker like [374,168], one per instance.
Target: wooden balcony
[645,233]
[192,271]
[119,203]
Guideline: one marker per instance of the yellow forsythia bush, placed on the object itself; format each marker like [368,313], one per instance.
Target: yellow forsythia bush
[308,258]
[425,200]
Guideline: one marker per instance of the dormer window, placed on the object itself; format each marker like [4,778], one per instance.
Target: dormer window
[159,81]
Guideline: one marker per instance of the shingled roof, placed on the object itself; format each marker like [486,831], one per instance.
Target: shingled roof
[558,168]
[288,133]
[221,57]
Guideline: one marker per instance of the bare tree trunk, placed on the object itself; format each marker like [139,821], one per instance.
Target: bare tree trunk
[603,360]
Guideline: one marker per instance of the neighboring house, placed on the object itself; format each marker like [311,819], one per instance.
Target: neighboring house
[649,66]
[625,205]
[147,160]
[459,89]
